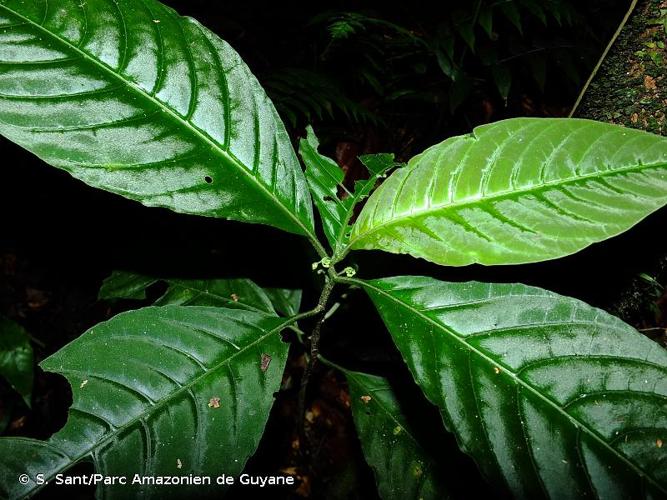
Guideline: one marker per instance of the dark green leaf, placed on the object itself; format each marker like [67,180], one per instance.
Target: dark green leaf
[502,77]
[446,64]
[468,34]
[538,67]
[517,191]
[128,96]
[26,456]
[459,91]
[125,285]
[233,293]
[285,302]
[486,19]
[161,391]
[567,65]
[511,12]
[16,358]
[379,163]
[535,9]
[549,395]
[403,469]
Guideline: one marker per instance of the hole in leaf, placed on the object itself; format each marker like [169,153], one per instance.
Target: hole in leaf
[328,198]
[208,179]
[52,398]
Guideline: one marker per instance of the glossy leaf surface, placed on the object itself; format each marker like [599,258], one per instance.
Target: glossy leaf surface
[162,391]
[334,201]
[125,285]
[517,191]
[285,301]
[233,293]
[16,358]
[130,97]
[403,468]
[549,395]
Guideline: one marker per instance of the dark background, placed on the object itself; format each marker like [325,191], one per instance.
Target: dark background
[370,77]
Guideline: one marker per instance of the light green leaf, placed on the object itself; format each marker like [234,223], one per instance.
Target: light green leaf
[325,179]
[16,358]
[403,468]
[549,395]
[160,391]
[517,191]
[125,285]
[129,97]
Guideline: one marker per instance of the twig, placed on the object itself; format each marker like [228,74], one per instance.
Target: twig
[602,57]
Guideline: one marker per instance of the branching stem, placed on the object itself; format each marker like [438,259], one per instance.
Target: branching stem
[320,312]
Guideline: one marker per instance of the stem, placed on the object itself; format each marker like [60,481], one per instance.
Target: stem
[633,4]
[317,246]
[349,281]
[320,311]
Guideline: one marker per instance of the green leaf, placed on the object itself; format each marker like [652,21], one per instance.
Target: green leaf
[26,456]
[511,12]
[16,358]
[378,163]
[125,285]
[517,191]
[161,391]
[459,91]
[538,69]
[446,64]
[536,10]
[486,19]
[467,32]
[502,77]
[232,293]
[286,302]
[549,395]
[129,97]
[325,178]
[381,426]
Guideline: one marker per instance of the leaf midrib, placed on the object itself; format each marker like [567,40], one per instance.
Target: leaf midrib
[384,409]
[498,196]
[158,404]
[592,433]
[225,154]
[394,419]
